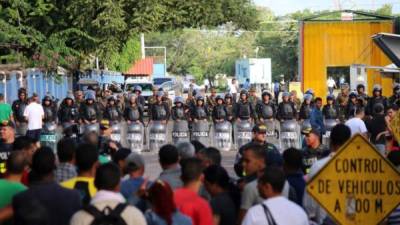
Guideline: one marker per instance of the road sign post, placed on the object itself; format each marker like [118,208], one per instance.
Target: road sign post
[358,185]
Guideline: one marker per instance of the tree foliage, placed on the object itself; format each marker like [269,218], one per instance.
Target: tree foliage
[84,29]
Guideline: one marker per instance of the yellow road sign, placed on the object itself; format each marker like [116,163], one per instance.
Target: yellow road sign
[358,185]
[395,126]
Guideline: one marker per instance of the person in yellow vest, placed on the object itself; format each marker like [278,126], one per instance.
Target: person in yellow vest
[86,158]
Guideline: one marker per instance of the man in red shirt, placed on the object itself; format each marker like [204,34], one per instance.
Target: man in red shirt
[186,198]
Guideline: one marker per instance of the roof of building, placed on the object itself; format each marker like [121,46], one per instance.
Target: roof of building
[142,67]
[357,16]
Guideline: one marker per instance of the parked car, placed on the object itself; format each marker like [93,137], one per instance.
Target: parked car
[170,87]
[158,81]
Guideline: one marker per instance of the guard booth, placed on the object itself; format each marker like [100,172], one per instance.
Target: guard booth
[331,43]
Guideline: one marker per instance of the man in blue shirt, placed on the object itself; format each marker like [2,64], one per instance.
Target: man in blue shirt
[247,84]
[316,117]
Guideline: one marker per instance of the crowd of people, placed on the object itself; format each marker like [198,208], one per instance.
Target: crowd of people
[81,182]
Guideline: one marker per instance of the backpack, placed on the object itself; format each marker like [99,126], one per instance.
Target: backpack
[107,216]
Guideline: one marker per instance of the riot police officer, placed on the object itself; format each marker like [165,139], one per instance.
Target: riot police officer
[89,110]
[329,110]
[286,109]
[376,99]
[219,113]
[112,112]
[229,106]
[50,110]
[153,99]
[211,100]
[253,99]
[352,105]
[243,109]
[68,112]
[179,111]
[159,110]
[134,110]
[342,109]
[306,107]
[361,95]
[199,111]
[18,108]
[166,99]
[139,98]
[395,98]
[265,109]
[191,99]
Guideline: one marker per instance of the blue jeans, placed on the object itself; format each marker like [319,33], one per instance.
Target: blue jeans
[381,148]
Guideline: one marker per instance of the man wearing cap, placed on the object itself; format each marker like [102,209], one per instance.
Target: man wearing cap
[313,150]
[159,111]
[106,145]
[259,138]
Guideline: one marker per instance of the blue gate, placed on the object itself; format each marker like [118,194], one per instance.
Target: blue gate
[43,84]
[10,84]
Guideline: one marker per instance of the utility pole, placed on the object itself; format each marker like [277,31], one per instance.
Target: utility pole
[142,46]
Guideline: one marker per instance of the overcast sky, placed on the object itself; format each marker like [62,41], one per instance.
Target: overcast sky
[281,7]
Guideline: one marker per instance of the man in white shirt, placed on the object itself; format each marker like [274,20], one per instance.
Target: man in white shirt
[234,89]
[331,85]
[276,209]
[34,115]
[356,124]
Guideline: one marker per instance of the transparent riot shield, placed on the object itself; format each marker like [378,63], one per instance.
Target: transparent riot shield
[180,131]
[201,132]
[272,131]
[223,136]
[21,129]
[157,135]
[116,133]
[289,134]
[92,127]
[329,124]
[242,133]
[49,136]
[135,136]
[304,125]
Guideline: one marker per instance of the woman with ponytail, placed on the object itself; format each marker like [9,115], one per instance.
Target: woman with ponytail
[163,210]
